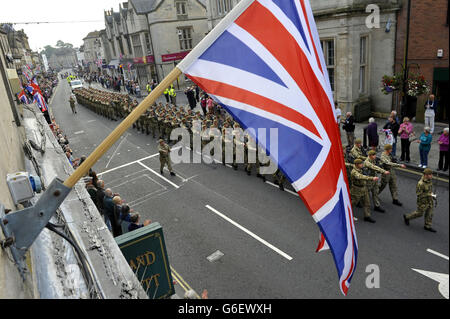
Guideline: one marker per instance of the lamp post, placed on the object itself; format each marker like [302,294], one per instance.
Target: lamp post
[404,109]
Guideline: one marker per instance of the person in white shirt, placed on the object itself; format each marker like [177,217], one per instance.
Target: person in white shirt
[430,108]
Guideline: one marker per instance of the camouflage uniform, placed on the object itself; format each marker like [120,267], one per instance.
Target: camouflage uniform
[356,152]
[391,178]
[425,203]
[372,186]
[164,156]
[359,190]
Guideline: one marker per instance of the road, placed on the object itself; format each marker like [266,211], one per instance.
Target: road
[267,237]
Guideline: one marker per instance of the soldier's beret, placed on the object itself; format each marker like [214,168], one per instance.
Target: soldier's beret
[358,141]
[387,147]
[358,161]
[372,152]
[427,171]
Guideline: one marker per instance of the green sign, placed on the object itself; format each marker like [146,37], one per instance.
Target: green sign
[145,251]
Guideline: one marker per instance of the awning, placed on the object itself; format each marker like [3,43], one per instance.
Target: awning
[114,63]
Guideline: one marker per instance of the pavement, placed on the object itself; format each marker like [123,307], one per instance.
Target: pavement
[433,156]
[240,238]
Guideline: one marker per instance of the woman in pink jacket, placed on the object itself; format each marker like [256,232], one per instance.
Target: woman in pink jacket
[405,131]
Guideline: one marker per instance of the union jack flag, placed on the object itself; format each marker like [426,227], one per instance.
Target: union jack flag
[264,64]
[39,99]
[23,97]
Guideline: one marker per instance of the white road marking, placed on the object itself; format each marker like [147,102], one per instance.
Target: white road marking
[79,132]
[130,163]
[90,121]
[159,175]
[250,233]
[442,279]
[437,254]
[286,190]
[117,148]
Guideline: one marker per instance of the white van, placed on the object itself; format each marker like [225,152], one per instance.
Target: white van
[75,84]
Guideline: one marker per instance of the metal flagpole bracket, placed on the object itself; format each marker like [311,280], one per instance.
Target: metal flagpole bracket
[21,228]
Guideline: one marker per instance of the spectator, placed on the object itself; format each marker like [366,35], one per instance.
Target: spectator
[210,105]
[92,191]
[424,146]
[100,196]
[125,218]
[372,133]
[349,128]
[406,132]
[443,150]
[135,222]
[338,113]
[393,125]
[108,208]
[430,110]
[203,103]
[117,210]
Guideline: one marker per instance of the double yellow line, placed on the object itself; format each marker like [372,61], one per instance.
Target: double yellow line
[420,174]
[182,282]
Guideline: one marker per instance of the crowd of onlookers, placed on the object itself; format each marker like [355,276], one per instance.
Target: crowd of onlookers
[118,216]
[404,130]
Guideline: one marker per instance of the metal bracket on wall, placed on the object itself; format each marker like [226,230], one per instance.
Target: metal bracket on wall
[21,228]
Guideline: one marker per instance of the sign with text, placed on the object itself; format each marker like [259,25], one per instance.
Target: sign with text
[144,59]
[145,251]
[174,56]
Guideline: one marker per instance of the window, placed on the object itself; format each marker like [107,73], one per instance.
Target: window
[329,55]
[223,6]
[147,42]
[137,47]
[185,38]
[113,47]
[363,65]
[181,9]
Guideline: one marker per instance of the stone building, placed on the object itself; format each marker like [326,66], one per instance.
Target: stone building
[93,51]
[357,53]
[148,37]
[428,51]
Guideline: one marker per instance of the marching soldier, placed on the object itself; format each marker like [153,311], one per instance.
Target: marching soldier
[390,178]
[279,179]
[373,187]
[425,197]
[359,190]
[356,151]
[72,104]
[164,157]
[153,122]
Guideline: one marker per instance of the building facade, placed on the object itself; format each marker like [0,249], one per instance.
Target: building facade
[357,51]
[148,37]
[93,51]
[428,51]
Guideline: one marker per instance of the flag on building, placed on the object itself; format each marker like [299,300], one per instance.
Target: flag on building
[40,101]
[264,64]
[34,84]
[23,97]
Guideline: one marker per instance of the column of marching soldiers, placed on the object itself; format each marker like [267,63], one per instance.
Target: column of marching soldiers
[166,117]
[362,168]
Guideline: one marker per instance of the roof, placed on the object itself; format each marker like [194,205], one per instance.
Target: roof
[146,6]
[93,34]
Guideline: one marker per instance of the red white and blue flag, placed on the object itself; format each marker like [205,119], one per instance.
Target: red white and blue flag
[264,64]
[35,85]
[39,99]
[23,97]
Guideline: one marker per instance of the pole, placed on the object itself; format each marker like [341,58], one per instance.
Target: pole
[404,111]
[120,129]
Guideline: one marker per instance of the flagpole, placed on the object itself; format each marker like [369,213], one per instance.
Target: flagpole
[121,128]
